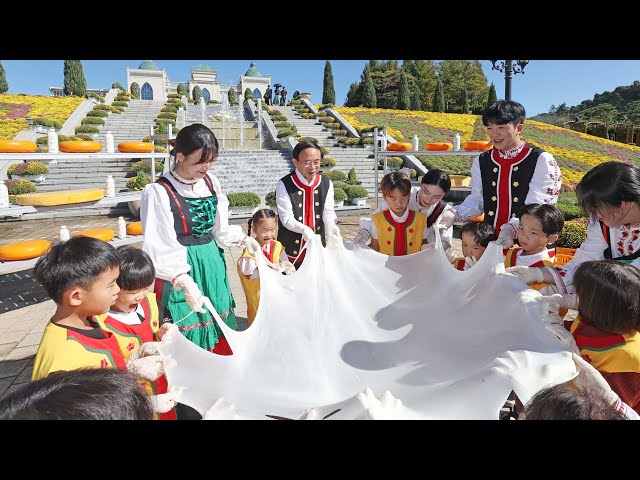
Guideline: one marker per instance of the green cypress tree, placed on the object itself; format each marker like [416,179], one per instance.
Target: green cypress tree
[404,96]
[248,93]
[416,104]
[196,94]
[231,95]
[135,90]
[4,86]
[328,91]
[181,89]
[492,97]
[369,98]
[465,101]
[74,81]
[438,98]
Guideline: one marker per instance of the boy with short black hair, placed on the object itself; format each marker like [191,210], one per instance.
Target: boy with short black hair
[475,237]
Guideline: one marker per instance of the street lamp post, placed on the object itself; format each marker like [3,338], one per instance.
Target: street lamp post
[509,69]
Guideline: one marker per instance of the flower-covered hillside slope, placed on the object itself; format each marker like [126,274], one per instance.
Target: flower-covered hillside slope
[575,152]
[15,108]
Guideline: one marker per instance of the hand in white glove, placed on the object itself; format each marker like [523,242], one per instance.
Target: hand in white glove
[251,244]
[363,237]
[307,233]
[332,229]
[427,246]
[527,274]
[554,303]
[505,238]
[145,350]
[287,267]
[149,368]
[162,403]
[192,293]
[469,262]
[447,218]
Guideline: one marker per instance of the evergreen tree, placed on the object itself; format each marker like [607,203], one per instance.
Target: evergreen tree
[438,97]
[231,95]
[328,90]
[181,89]
[492,97]
[369,99]
[74,81]
[354,95]
[416,104]
[465,101]
[4,86]
[196,94]
[247,93]
[458,74]
[404,97]
[135,90]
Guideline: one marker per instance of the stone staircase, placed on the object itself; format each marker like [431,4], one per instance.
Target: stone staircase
[82,173]
[261,170]
[132,125]
[345,158]
[231,133]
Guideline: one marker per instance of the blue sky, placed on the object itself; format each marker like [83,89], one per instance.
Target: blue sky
[544,83]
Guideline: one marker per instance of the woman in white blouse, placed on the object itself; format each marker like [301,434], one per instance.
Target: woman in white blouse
[185,222]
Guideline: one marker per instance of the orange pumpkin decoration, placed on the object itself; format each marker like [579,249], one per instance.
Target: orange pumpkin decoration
[104,234]
[439,146]
[477,145]
[134,228]
[24,250]
[398,147]
[17,146]
[479,218]
[135,147]
[80,147]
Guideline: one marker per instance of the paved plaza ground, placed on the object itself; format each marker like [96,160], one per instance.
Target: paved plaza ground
[25,308]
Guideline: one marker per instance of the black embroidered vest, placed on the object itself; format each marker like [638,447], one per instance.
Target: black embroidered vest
[297,192]
[193,218]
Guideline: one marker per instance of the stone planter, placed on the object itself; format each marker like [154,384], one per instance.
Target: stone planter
[134,208]
[358,202]
[339,204]
[326,169]
[241,210]
[31,178]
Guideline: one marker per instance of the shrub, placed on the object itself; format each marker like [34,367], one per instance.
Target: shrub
[165,120]
[568,205]
[335,175]
[339,184]
[352,141]
[121,98]
[161,128]
[138,182]
[176,95]
[96,96]
[366,141]
[339,195]
[413,173]
[332,125]
[275,112]
[352,178]
[321,114]
[144,166]
[296,102]
[169,109]
[369,129]
[326,105]
[282,125]
[169,115]
[97,113]
[270,199]
[81,137]
[117,85]
[342,140]
[18,187]
[243,199]
[159,150]
[92,121]
[356,191]
[101,107]
[572,235]
[47,123]
[285,133]
[279,118]
[120,104]
[135,90]
[213,102]
[86,129]
[308,116]
[28,168]
[328,162]
[308,139]
[196,94]
[393,162]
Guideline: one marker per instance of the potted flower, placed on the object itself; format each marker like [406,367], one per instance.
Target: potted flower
[357,195]
[243,203]
[339,196]
[144,166]
[32,171]
[327,164]
[393,163]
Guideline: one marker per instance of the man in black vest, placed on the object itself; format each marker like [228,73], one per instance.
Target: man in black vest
[509,176]
[305,202]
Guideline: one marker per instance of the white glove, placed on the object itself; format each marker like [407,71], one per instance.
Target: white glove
[287,267]
[588,376]
[162,403]
[527,274]
[469,262]
[447,218]
[505,238]
[554,303]
[427,246]
[145,350]
[149,368]
[192,293]
[332,229]
[251,244]
[363,237]
[307,233]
